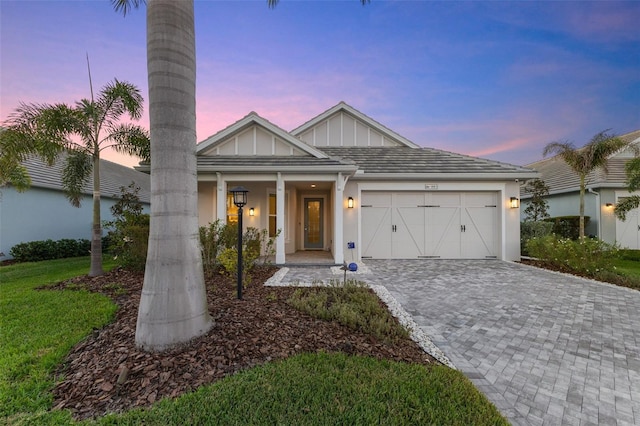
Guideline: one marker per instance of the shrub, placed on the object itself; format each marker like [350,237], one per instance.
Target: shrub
[531,229]
[219,244]
[129,230]
[35,251]
[351,304]
[567,226]
[588,256]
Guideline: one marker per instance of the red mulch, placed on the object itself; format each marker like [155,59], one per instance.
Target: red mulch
[107,373]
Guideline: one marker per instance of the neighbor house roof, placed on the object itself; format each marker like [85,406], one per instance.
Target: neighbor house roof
[112,177]
[560,178]
[403,162]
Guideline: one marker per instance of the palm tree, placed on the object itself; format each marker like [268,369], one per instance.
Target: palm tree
[584,160]
[81,131]
[173,305]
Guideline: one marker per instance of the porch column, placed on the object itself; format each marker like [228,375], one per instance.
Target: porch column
[338,219]
[221,198]
[280,223]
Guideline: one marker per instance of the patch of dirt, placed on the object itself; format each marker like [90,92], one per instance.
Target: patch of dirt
[107,373]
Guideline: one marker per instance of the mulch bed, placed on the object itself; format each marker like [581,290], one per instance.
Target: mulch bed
[107,373]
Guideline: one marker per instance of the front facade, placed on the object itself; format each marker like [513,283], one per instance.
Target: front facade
[604,190]
[346,184]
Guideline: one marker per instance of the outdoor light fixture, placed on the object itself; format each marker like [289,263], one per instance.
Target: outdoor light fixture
[240,200]
[252,212]
[608,205]
[514,203]
[350,202]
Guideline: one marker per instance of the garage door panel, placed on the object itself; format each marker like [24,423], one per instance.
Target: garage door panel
[408,241]
[450,225]
[376,238]
[479,232]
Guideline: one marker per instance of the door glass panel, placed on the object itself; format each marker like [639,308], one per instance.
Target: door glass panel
[232,210]
[313,214]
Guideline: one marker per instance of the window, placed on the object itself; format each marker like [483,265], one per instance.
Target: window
[232,210]
[273,227]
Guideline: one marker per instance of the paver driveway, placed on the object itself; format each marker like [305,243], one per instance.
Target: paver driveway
[546,348]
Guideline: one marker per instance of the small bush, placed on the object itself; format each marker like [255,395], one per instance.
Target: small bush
[351,304]
[530,229]
[34,251]
[129,230]
[219,244]
[588,256]
[567,226]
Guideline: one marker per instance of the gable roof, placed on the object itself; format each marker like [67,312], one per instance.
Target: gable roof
[406,162]
[560,178]
[112,177]
[343,107]
[253,119]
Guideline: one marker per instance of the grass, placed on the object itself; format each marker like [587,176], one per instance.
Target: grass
[39,327]
[326,389]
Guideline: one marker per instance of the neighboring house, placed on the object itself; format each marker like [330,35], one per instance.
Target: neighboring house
[343,180]
[43,212]
[604,190]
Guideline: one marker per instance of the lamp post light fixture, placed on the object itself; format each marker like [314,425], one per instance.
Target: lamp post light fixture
[240,200]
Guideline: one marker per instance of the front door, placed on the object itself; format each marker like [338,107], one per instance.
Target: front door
[313,221]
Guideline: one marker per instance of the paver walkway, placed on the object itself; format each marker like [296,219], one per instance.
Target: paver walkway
[546,348]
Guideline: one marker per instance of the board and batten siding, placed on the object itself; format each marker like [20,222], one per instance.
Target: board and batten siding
[344,130]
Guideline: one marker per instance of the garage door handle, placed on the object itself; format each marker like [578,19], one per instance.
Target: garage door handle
[463,228]
[393,228]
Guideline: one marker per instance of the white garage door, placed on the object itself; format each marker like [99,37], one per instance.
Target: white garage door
[451,225]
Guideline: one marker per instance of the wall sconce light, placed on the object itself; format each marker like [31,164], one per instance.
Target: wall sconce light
[350,202]
[608,205]
[514,202]
[252,212]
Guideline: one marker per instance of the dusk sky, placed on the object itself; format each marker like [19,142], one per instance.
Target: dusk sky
[497,80]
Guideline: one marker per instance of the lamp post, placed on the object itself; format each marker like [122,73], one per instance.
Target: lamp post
[240,200]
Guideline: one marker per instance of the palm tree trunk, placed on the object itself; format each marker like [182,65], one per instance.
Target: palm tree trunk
[96,227]
[582,189]
[173,305]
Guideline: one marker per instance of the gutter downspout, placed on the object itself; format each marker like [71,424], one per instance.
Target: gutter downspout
[598,214]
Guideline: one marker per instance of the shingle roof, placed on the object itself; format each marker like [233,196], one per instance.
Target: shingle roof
[270,163]
[559,177]
[112,177]
[406,160]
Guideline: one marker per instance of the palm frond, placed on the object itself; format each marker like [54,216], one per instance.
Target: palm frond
[132,140]
[125,6]
[75,175]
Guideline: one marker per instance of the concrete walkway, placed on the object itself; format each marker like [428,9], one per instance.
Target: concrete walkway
[546,348]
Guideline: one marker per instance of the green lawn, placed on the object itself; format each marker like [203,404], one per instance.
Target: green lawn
[630,268]
[38,328]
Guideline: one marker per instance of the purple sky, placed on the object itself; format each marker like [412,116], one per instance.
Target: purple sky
[493,79]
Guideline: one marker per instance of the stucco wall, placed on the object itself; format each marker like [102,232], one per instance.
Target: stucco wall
[41,214]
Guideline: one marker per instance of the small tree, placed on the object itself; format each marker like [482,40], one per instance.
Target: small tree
[129,231]
[83,131]
[538,205]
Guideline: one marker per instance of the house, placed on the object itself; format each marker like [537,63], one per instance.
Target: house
[348,185]
[43,212]
[604,190]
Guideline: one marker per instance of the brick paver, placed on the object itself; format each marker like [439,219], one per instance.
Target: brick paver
[546,348]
